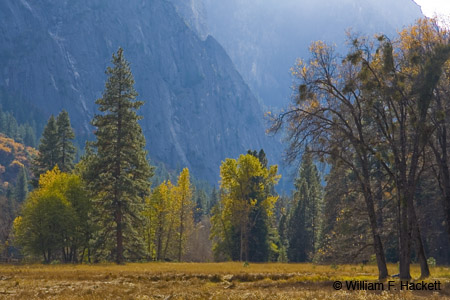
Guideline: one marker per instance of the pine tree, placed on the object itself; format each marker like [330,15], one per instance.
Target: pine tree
[65,146]
[21,187]
[214,199]
[200,205]
[296,227]
[48,152]
[283,242]
[260,239]
[120,170]
[304,222]
[30,137]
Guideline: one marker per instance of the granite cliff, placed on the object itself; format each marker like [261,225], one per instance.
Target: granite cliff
[264,38]
[198,109]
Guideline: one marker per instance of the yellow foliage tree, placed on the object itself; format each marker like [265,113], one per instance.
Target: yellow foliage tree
[53,221]
[244,185]
[184,209]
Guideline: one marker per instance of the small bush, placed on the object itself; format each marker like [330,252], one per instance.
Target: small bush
[431,262]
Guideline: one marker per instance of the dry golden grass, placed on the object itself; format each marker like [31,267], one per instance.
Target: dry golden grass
[200,281]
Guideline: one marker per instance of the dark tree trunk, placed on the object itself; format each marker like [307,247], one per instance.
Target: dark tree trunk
[415,229]
[119,235]
[378,245]
[180,240]
[444,171]
[118,213]
[159,246]
[405,244]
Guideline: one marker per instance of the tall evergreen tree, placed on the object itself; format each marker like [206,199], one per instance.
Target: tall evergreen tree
[260,239]
[120,171]
[65,145]
[30,137]
[48,152]
[21,187]
[214,199]
[304,222]
[283,241]
[296,227]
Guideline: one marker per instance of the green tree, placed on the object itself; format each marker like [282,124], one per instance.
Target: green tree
[283,241]
[120,172]
[21,186]
[53,221]
[48,151]
[244,186]
[214,199]
[66,149]
[262,237]
[304,222]
[30,137]
[200,204]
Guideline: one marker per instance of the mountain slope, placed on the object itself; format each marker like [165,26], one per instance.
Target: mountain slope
[264,38]
[198,109]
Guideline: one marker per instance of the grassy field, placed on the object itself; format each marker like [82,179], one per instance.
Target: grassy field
[203,281]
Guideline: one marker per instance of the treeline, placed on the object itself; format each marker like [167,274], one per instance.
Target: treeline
[102,208]
[20,120]
[15,161]
[20,123]
[378,116]
[23,133]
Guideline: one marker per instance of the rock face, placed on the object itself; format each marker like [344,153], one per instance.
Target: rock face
[198,109]
[195,15]
[265,37]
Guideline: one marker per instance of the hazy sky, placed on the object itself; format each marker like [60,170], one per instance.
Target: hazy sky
[430,8]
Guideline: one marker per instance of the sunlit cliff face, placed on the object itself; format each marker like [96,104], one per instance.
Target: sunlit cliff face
[264,38]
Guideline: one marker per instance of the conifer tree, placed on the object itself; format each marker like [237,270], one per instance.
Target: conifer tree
[296,227]
[200,205]
[283,242]
[304,222]
[120,171]
[21,187]
[48,152]
[213,200]
[65,146]
[30,137]
[260,239]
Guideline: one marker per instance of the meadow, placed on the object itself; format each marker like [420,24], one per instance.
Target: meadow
[202,281]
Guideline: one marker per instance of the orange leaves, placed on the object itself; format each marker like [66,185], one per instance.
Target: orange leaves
[423,34]
[318,47]
[13,157]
